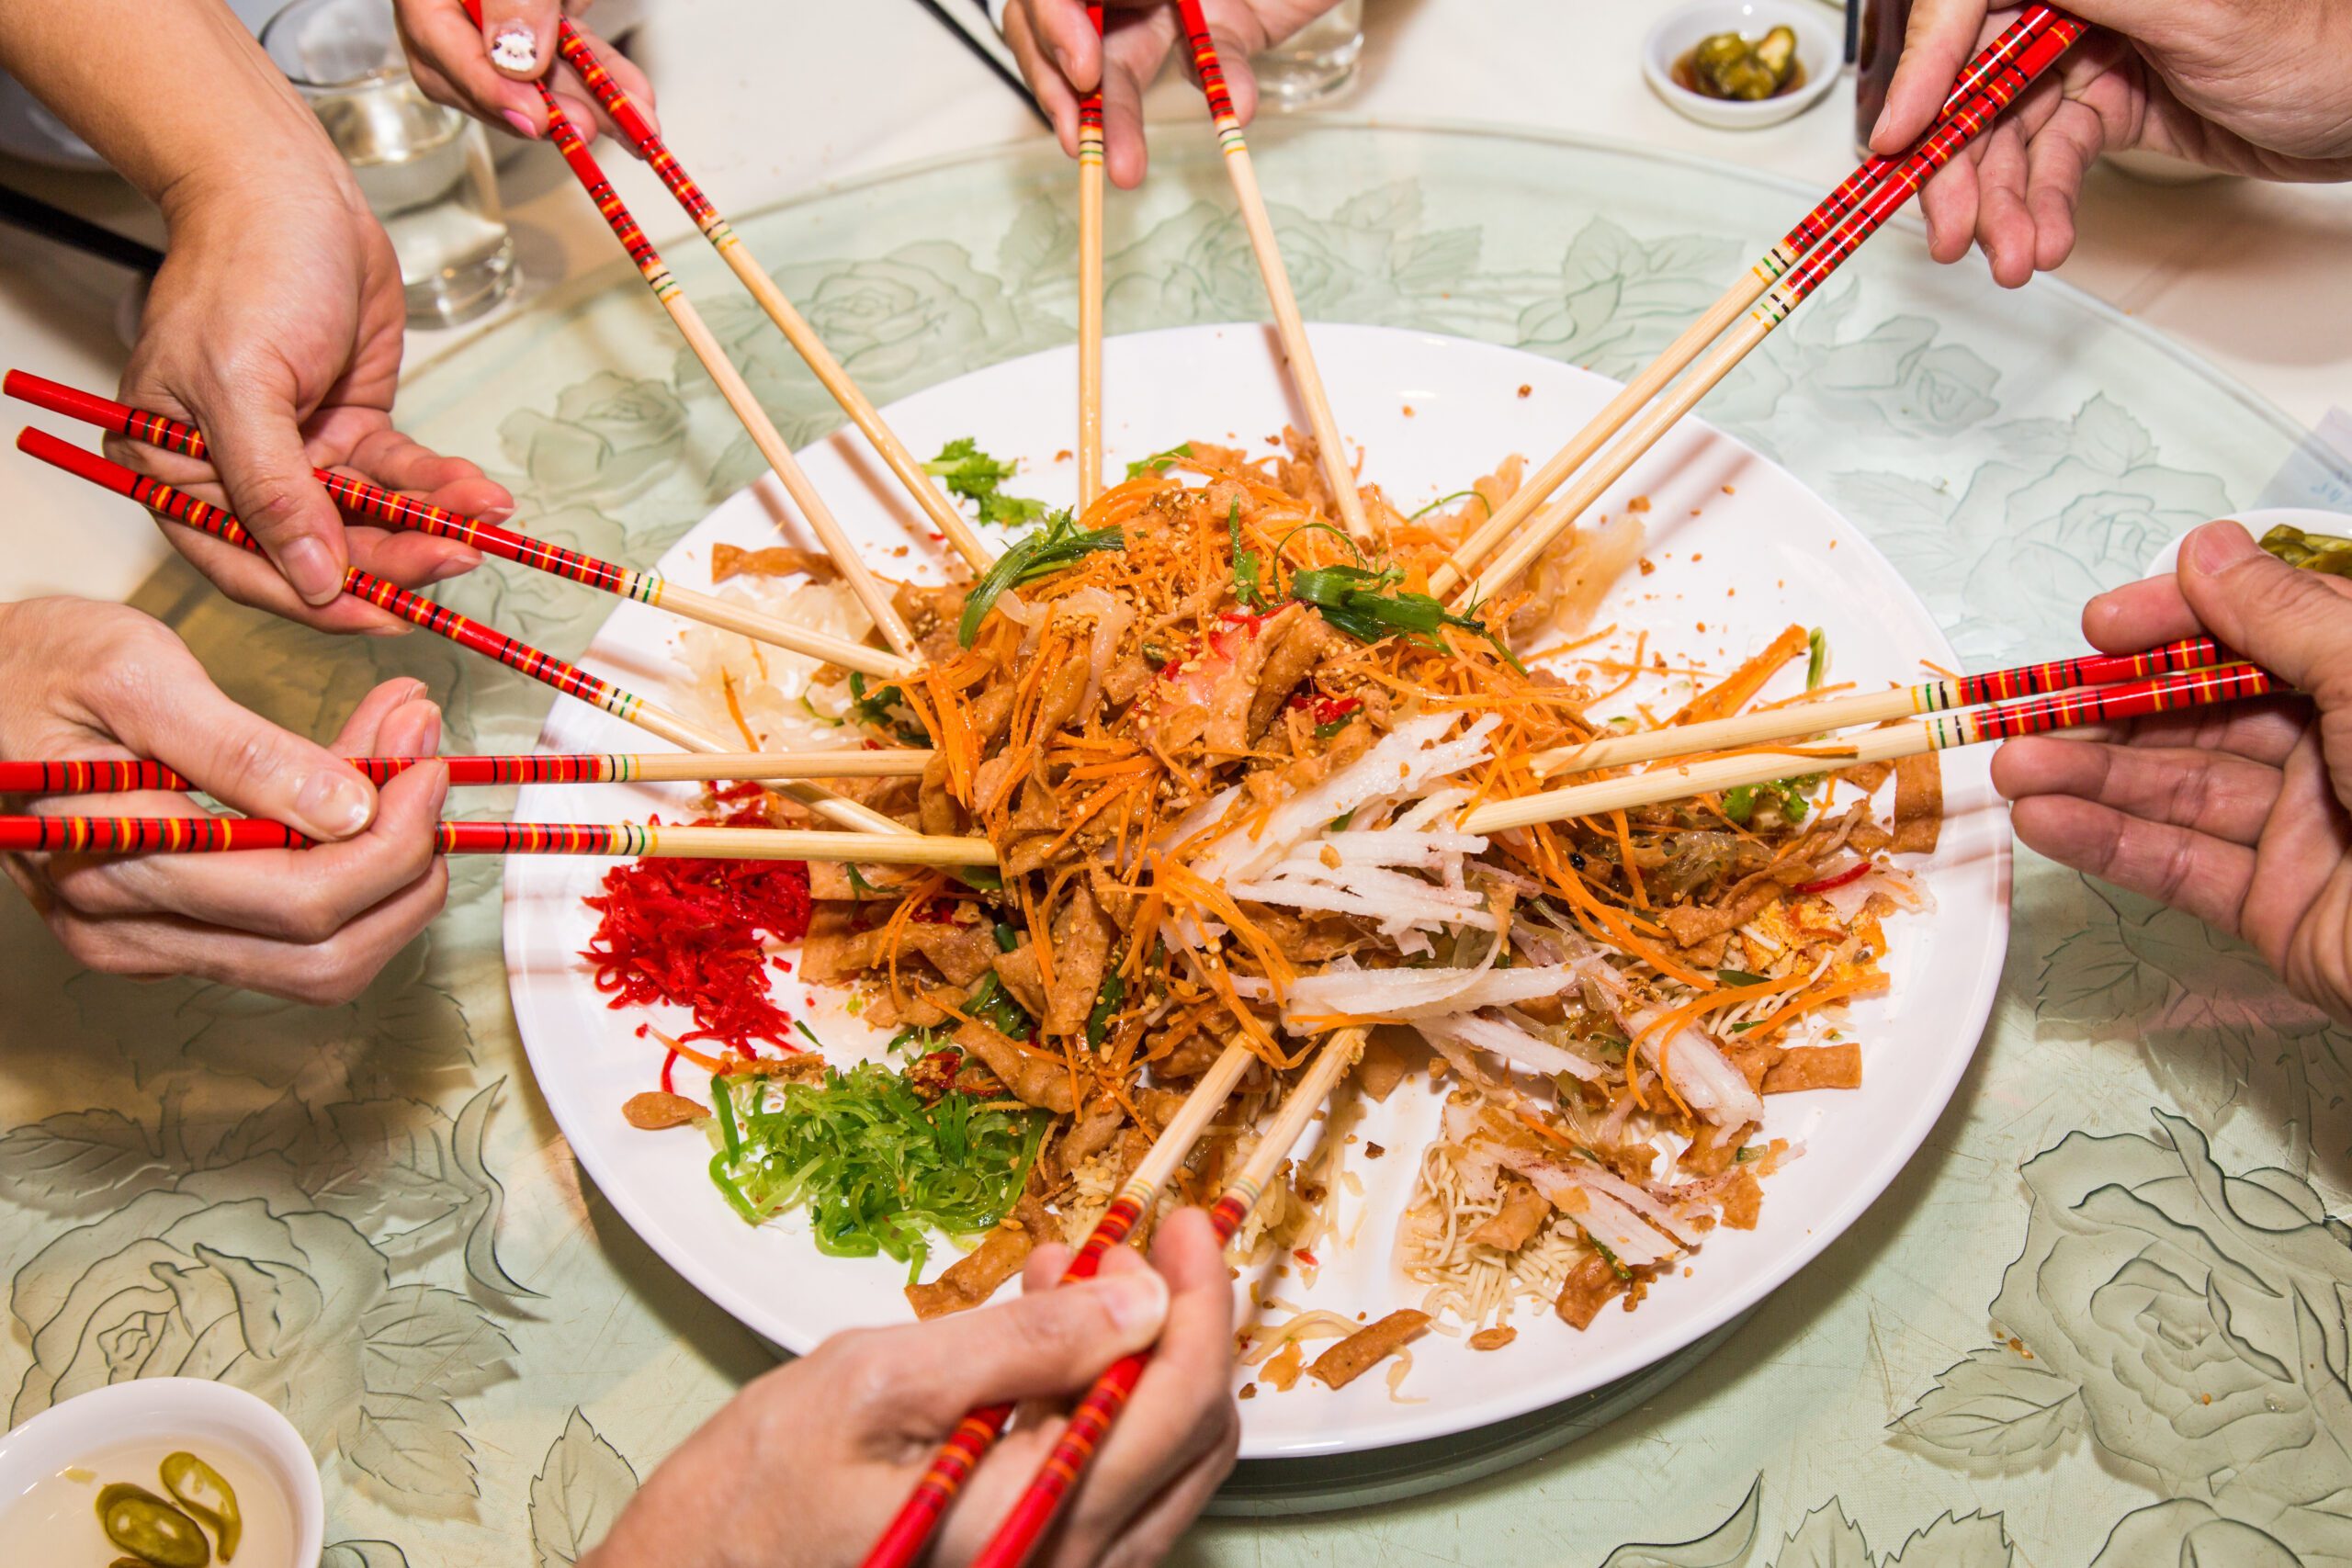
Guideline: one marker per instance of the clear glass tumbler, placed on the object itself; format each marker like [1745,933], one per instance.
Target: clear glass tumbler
[425,170]
[1315,62]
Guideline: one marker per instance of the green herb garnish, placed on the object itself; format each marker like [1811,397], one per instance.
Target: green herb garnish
[876,1168]
[876,712]
[1817,664]
[1367,606]
[1608,1256]
[1159,462]
[1456,495]
[1740,802]
[809,1032]
[1329,727]
[1745,1152]
[1106,1006]
[1058,545]
[1740,978]
[993,1005]
[971,473]
[857,883]
[1246,587]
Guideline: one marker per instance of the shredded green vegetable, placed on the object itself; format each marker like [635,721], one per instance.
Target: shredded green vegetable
[1059,544]
[875,1168]
[971,473]
[1816,664]
[1159,462]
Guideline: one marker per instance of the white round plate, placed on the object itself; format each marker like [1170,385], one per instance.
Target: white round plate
[1741,548]
[2257,522]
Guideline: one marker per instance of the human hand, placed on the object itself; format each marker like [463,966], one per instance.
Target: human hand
[2259,87]
[88,681]
[1063,60]
[486,69]
[275,326]
[2240,814]
[809,1464]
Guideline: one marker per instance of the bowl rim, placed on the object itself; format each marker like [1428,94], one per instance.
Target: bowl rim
[116,1414]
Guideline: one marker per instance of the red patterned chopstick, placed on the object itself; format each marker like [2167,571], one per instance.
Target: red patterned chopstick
[903,1538]
[2100,705]
[216,835]
[2002,51]
[173,436]
[1999,89]
[206,518]
[120,775]
[399,510]
[640,133]
[1033,1510]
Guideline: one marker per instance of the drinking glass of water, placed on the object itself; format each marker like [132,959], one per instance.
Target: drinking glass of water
[423,169]
[1314,63]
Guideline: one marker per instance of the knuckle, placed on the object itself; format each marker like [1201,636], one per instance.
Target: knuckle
[866,1379]
[309,914]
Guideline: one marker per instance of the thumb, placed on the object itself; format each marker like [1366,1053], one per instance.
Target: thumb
[257,450]
[520,35]
[2296,624]
[177,715]
[1050,1342]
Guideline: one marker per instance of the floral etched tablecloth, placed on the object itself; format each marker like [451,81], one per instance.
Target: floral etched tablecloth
[2101,1318]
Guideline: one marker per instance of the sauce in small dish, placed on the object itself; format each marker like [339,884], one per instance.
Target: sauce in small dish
[158,1473]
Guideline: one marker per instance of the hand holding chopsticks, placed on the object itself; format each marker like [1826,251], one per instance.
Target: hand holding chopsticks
[815,1453]
[397,511]
[1791,271]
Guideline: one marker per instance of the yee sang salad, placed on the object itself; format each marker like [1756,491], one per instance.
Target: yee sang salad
[1222,751]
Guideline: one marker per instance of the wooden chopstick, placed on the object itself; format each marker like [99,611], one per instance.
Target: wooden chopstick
[1033,1512]
[640,132]
[1981,84]
[729,380]
[406,512]
[124,775]
[1818,716]
[902,1540]
[212,835]
[1090,286]
[1680,781]
[1288,325]
[569,679]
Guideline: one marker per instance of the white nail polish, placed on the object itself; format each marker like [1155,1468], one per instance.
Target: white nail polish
[515,50]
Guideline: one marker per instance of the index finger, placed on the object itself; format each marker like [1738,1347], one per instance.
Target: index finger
[1184,1397]
[1937,41]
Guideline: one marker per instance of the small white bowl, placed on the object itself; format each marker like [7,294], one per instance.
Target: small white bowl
[2258,523]
[197,1408]
[1820,54]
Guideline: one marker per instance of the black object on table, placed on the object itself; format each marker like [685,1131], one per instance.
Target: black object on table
[996,67]
[37,217]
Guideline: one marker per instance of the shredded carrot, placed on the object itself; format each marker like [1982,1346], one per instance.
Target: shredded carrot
[1739,688]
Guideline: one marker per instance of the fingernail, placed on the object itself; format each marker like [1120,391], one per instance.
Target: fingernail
[456,566]
[497,512]
[514,49]
[1136,1301]
[311,571]
[334,806]
[2219,545]
[414,731]
[1878,128]
[522,124]
[1061,59]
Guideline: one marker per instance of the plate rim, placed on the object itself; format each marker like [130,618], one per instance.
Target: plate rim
[1824,1226]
